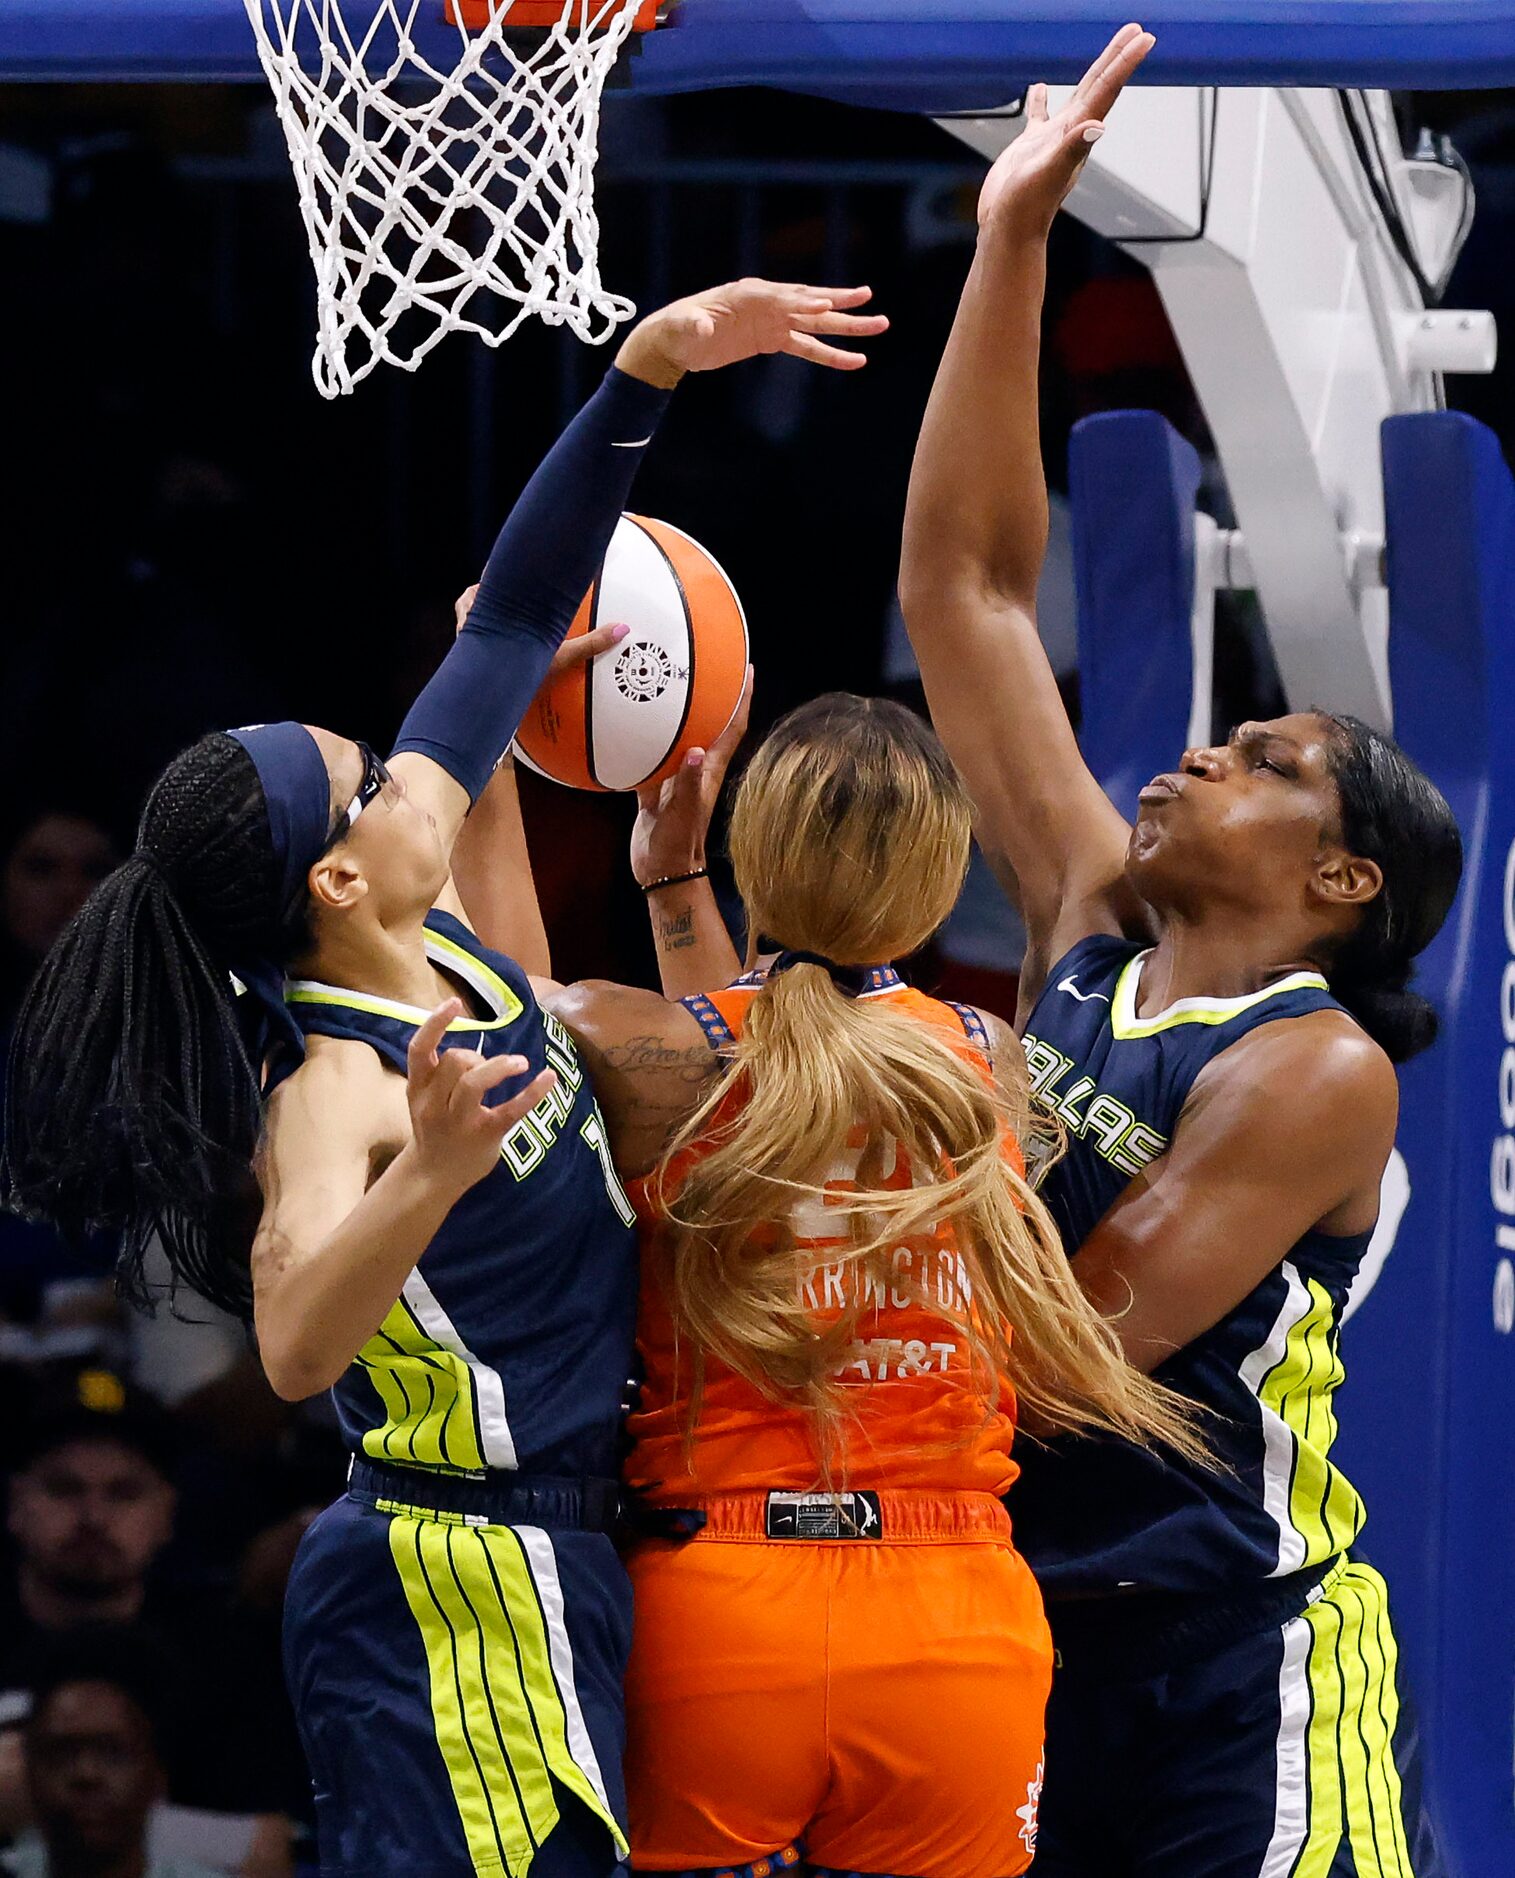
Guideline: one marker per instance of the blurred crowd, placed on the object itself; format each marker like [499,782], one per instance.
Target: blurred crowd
[192,540]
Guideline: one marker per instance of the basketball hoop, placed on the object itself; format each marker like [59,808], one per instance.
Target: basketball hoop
[445,200]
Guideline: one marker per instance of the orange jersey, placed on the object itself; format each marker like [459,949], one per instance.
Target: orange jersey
[916,1416]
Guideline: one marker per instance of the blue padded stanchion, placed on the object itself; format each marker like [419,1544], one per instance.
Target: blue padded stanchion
[1133,480]
[1428,1409]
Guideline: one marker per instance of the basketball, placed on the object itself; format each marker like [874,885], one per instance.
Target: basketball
[671,685]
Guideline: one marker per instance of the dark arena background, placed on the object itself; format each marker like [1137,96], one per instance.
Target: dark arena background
[191,538]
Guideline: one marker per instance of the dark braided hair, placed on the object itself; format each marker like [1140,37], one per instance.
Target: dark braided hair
[1393,814]
[132,1102]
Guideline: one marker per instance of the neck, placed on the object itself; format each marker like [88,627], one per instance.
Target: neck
[383,961]
[71,1862]
[1225,958]
[53,1609]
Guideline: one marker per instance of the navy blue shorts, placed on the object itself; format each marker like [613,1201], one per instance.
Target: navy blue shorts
[1286,1752]
[458,1692]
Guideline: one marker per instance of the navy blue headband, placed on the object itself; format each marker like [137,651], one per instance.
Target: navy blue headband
[297,790]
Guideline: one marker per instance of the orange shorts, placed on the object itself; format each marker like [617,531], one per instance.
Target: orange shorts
[876,1702]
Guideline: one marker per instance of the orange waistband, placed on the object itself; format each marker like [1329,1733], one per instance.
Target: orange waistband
[904,1517]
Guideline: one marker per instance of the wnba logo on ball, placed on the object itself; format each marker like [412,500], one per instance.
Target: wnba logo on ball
[644,672]
[626,718]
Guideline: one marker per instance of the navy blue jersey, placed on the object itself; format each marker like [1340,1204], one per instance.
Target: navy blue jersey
[1095,1515]
[510,1345]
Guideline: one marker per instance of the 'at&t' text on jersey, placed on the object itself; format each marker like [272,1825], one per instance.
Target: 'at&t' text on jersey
[510,1344]
[916,1416]
[1097,1515]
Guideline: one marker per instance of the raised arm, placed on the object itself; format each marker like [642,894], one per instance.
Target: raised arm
[976,533]
[668,858]
[549,549]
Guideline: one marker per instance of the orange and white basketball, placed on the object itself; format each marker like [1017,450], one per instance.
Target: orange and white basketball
[671,685]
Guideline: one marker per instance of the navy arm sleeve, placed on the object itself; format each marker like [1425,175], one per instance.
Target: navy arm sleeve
[539,570]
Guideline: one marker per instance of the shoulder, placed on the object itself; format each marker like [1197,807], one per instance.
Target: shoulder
[625,1019]
[343,1091]
[648,1058]
[1315,1081]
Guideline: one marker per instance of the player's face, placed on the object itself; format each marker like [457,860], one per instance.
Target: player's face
[394,841]
[1247,821]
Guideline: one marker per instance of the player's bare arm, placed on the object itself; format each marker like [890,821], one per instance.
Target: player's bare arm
[1285,1133]
[668,859]
[649,1060]
[975,536]
[359,1169]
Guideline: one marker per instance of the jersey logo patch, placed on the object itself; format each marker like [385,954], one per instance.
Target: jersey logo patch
[824,1516]
[1027,1814]
[1084,997]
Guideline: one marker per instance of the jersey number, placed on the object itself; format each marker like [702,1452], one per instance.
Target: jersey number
[593,1132]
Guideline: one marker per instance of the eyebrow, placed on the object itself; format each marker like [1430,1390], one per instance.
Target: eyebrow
[1255,734]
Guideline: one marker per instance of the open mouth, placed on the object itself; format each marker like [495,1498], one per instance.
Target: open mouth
[1160,789]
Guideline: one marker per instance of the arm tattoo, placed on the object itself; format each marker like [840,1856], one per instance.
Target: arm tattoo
[676,934]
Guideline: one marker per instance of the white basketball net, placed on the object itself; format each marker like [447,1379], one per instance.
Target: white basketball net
[442,201]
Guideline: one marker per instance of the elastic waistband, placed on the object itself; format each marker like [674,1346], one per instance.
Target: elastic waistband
[848,1516]
[1145,1633]
[499,1499]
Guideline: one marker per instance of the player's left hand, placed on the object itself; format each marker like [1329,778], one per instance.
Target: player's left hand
[744,319]
[571,654]
[673,817]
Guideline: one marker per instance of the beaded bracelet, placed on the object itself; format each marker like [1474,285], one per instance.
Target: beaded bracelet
[677,880]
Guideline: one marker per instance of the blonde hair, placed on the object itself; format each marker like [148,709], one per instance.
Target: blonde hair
[849,838]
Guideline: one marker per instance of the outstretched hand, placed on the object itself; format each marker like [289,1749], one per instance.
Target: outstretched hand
[1034,174]
[673,817]
[744,319]
[457,1135]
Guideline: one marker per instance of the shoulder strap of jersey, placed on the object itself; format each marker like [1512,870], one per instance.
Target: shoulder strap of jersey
[974,1025]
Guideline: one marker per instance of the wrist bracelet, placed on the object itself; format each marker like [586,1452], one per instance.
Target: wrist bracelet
[677,880]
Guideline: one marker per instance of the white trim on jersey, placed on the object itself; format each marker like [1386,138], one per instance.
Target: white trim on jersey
[1279,1442]
[1291,1801]
[543,1564]
[496,1443]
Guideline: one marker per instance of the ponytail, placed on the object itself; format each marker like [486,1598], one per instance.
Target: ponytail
[132,1103]
[820,1079]
[1394,815]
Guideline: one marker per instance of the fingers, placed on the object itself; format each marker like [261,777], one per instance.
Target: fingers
[804,346]
[421,1055]
[1114,46]
[480,1074]
[1036,104]
[463,605]
[1100,89]
[654,797]
[840,297]
[575,652]
[505,1117]
[849,325]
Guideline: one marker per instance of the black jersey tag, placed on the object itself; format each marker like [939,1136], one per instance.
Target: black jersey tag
[824,1516]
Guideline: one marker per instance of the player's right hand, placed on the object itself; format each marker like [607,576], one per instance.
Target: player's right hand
[1033,174]
[744,319]
[456,1135]
[673,816]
